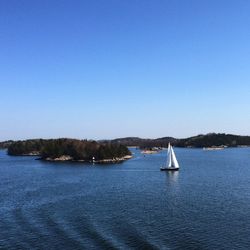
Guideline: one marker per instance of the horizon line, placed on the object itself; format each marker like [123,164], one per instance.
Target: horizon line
[116,138]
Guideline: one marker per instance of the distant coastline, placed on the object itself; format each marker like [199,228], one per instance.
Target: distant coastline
[115,150]
[198,141]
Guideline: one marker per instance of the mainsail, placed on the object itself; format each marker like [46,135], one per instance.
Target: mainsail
[172,161]
[175,163]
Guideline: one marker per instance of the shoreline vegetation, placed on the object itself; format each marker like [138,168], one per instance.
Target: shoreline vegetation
[58,150]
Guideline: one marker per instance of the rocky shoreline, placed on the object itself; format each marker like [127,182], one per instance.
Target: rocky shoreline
[65,158]
[149,152]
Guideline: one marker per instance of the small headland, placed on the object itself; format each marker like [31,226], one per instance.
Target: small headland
[150,150]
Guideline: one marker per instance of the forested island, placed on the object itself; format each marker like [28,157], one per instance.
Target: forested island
[70,150]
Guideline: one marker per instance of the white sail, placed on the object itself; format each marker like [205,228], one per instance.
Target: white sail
[172,163]
[169,147]
[169,159]
[175,163]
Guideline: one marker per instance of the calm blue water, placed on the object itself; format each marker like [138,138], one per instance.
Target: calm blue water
[127,206]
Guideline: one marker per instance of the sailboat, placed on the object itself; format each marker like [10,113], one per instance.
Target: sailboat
[172,163]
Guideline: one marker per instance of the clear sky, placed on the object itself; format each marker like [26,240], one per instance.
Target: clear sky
[114,68]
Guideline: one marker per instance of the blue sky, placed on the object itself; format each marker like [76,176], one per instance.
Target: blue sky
[113,68]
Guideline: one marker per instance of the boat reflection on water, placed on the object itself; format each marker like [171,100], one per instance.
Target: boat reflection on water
[172,178]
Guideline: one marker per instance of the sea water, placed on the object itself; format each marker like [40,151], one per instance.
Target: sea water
[132,205]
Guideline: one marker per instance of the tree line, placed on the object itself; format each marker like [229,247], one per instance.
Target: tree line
[207,140]
[76,149]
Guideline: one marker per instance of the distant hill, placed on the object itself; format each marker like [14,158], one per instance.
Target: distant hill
[139,142]
[214,139]
[128,141]
[199,141]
